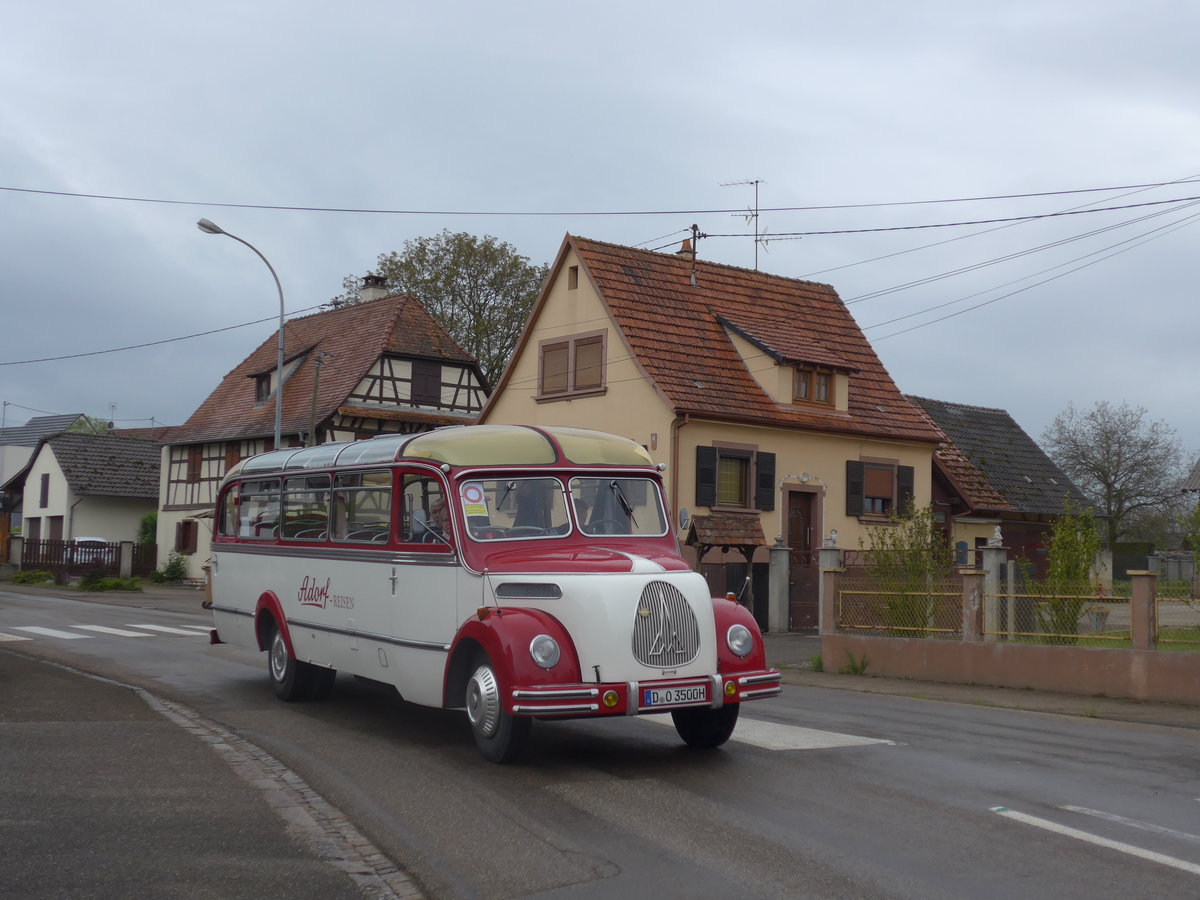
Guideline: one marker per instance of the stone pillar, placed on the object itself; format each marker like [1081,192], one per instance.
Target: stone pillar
[992,562]
[1143,611]
[779,587]
[972,604]
[831,583]
[16,549]
[126,559]
[828,557]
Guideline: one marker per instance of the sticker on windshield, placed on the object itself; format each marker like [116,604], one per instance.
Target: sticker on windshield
[473,500]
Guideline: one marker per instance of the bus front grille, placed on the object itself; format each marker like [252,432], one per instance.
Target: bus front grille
[665,632]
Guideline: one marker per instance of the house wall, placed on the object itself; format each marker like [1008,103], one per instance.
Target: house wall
[632,407]
[58,500]
[112,518]
[629,406]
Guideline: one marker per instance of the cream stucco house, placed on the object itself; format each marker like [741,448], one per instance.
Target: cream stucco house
[769,408]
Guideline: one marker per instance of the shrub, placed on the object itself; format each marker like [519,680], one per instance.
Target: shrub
[33,576]
[173,571]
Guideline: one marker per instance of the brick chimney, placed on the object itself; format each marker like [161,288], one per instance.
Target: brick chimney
[686,250]
[373,287]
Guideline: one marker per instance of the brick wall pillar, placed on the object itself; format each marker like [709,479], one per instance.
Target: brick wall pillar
[831,584]
[1143,611]
[972,604]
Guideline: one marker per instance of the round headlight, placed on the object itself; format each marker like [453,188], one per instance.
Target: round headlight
[544,650]
[740,640]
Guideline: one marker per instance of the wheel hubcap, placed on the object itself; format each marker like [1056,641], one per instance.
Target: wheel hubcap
[483,701]
[279,658]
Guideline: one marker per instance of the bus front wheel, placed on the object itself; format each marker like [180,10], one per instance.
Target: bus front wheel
[500,737]
[703,729]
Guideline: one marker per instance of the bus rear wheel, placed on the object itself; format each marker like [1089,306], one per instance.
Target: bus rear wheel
[291,679]
[703,729]
[500,737]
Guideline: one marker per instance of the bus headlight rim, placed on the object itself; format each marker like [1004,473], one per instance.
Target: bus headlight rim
[544,651]
[740,640]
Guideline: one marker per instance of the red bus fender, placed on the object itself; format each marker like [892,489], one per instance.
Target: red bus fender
[269,605]
[505,634]
[726,614]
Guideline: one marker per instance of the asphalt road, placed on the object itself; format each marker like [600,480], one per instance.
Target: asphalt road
[875,791]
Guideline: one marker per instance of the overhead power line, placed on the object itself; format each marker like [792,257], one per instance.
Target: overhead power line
[559,213]
[186,337]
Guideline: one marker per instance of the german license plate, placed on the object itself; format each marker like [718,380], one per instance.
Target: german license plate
[675,696]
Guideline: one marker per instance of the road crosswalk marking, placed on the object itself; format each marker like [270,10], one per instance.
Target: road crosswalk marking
[147,630]
[777,736]
[53,632]
[119,632]
[164,629]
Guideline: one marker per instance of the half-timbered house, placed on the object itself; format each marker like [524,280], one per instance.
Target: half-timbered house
[376,366]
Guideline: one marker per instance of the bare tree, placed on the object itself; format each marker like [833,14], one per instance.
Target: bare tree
[1129,468]
[479,288]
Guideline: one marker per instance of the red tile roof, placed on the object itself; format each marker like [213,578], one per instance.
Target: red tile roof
[351,336]
[675,329]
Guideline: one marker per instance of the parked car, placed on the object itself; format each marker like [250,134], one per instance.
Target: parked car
[91,551]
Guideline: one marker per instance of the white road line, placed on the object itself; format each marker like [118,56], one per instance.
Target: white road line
[164,629]
[200,629]
[1067,831]
[119,632]
[775,736]
[54,632]
[1134,823]
[13,637]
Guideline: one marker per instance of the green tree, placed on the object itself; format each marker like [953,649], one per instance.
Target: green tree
[908,562]
[147,532]
[479,288]
[1071,559]
[1125,465]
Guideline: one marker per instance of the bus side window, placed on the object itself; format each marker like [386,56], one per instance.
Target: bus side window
[426,518]
[362,507]
[306,507]
[258,509]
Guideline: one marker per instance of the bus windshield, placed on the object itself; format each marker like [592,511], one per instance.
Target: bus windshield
[500,509]
[618,506]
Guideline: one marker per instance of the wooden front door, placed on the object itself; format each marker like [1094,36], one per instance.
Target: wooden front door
[804,574]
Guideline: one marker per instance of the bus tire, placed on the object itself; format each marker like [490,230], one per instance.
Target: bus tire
[291,679]
[501,738]
[703,729]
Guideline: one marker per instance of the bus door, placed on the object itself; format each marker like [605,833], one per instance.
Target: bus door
[424,610]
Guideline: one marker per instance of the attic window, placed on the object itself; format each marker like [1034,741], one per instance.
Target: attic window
[571,366]
[572,278]
[262,388]
[812,385]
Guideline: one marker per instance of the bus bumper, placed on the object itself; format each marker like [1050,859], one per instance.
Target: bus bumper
[633,698]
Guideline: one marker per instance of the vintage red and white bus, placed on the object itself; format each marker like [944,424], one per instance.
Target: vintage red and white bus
[515,571]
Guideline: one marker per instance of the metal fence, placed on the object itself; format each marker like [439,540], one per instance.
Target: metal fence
[1049,618]
[66,559]
[932,609]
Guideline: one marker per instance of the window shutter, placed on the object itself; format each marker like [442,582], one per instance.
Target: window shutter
[589,363]
[764,468]
[706,476]
[854,487]
[904,487]
[554,368]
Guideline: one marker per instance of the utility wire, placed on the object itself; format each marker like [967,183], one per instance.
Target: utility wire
[186,337]
[556,213]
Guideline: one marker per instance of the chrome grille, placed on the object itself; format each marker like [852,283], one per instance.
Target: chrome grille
[513,589]
[665,632]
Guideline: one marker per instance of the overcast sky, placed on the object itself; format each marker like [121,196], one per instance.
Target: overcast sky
[579,109]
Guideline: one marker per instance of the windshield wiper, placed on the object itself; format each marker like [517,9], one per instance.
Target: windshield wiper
[625,507]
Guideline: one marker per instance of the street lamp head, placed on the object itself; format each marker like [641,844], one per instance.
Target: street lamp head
[208,227]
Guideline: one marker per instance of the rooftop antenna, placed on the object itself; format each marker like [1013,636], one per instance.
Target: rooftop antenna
[751,214]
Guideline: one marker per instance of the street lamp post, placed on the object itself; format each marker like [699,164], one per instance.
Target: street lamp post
[210,228]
